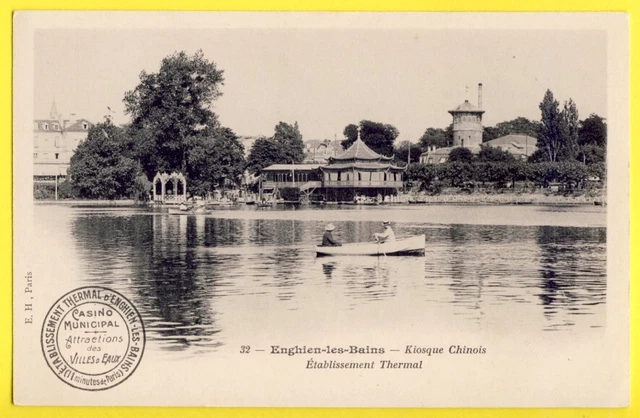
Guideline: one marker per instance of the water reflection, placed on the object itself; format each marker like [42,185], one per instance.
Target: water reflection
[200,281]
[573,280]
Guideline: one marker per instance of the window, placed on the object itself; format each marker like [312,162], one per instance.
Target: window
[45,126]
[442,160]
[56,127]
[35,155]
[57,155]
[85,126]
[36,126]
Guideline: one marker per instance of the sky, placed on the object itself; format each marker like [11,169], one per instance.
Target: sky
[327,78]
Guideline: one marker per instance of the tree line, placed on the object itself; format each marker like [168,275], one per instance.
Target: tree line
[173,128]
[495,168]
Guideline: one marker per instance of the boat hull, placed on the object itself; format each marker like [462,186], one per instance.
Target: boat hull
[188,212]
[407,246]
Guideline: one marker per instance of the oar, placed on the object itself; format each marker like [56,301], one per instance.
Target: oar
[383,253]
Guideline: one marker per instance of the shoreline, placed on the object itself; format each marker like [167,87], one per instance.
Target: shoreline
[424,200]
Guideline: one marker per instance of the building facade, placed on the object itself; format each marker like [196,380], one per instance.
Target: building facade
[54,141]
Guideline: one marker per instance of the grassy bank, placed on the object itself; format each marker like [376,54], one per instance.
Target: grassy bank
[512,197]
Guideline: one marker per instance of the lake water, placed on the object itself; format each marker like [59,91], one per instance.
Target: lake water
[203,283]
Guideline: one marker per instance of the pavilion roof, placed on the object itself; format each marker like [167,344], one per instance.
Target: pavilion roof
[364,166]
[359,151]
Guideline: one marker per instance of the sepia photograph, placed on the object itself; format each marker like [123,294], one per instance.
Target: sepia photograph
[321,209]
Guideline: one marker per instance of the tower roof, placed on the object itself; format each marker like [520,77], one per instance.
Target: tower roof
[466,107]
[53,113]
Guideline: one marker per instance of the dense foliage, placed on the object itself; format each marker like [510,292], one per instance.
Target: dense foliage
[284,147]
[170,106]
[378,136]
[501,174]
[436,137]
[214,161]
[101,167]
[407,152]
[519,125]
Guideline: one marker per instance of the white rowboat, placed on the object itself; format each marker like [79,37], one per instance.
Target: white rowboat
[188,212]
[407,246]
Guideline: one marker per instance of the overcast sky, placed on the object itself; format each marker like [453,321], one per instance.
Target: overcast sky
[327,78]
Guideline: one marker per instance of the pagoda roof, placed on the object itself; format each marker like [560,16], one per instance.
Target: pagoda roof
[467,107]
[360,151]
[363,166]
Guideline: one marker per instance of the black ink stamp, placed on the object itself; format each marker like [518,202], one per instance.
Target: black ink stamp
[93,338]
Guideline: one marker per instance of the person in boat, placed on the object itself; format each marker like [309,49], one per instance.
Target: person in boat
[386,235]
[327,238]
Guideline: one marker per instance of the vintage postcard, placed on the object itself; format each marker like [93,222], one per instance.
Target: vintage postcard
[321,209]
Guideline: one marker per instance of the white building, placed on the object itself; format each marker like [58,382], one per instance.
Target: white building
[54,141]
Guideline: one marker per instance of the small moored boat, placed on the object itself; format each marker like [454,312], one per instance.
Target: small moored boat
[406,246]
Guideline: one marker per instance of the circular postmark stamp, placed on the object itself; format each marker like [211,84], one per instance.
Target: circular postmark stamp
[93,338]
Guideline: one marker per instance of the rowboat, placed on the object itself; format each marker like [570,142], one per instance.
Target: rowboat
[406,246]
[188,212]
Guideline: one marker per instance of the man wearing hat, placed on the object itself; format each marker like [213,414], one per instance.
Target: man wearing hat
[387,234]
[327,238]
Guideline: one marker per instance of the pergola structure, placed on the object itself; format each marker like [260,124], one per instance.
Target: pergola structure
[169,188]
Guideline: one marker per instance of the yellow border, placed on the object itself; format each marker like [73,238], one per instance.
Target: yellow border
[7,409]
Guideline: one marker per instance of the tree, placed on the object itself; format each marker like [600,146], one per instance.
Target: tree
[350,134]
[289,139]
[519,125]
[263,153]
[434,137]
[457,172]
[569,126]
[172,105]
[592,140]
[378,136]
[407,149]
[550,138]
[593,131]
[141,188]
[214,161]
[494,154]
[100,167]
[558,137]
[461,154]
[572,173]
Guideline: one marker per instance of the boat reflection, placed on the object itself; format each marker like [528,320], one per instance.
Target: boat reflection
[371,278]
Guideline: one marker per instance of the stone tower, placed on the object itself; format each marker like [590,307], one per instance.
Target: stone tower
[467,123]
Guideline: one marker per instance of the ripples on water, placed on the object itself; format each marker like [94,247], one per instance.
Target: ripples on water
[199,281]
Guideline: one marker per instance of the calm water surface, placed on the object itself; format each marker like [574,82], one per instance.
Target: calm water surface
[203,282]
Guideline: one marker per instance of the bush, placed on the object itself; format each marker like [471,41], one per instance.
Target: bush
[65,190]
[44,191]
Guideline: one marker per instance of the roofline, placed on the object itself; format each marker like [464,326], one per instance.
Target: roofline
[465,111]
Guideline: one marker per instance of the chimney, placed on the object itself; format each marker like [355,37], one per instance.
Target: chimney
[480,96]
